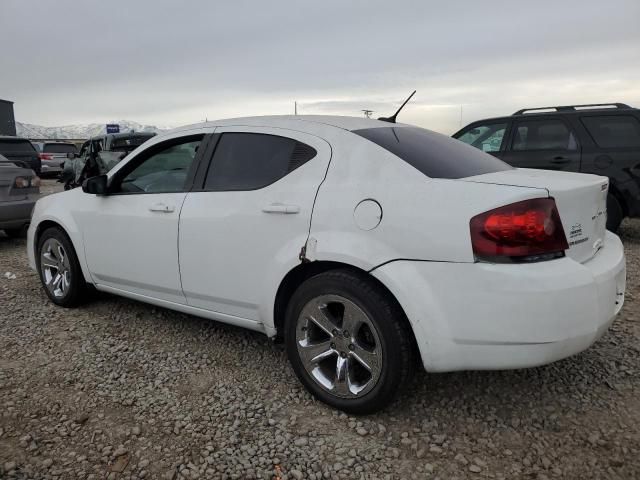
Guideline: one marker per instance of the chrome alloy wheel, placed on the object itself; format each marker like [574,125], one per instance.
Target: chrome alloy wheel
[55,267]
[339,346]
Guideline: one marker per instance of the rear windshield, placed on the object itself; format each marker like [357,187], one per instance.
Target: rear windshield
[435,155]
[129,143]
[16,146]
[60,148]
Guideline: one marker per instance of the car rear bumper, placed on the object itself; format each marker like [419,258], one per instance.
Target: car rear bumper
[51,166]
[16,214]
[474,316]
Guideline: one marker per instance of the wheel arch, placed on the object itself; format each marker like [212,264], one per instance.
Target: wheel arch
[51,223]
[306,270]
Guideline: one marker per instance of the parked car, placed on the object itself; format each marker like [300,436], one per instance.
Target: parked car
[100,154]
[360,243]
[53,155]
[599,139]
[19,190]
[21,152]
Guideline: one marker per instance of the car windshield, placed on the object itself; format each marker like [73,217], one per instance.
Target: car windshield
[16,146]
[435,155]
[60,148]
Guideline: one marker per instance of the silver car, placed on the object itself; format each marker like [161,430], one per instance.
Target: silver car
[53,156]
[19,190]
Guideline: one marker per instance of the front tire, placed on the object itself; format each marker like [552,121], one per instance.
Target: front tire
[16,232]
[59,269]
[348,342]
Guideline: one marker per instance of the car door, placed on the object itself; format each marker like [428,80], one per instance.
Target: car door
[250,218]
[131,233]
[487,136]
[543,142]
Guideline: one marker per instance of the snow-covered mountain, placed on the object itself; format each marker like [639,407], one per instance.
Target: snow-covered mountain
[80,131]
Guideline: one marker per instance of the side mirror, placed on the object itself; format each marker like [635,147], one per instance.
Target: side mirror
[71,155]
[95,185]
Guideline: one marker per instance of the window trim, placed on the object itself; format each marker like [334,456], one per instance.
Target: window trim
[201,178]
[143,156]
[600,115]
[571,130]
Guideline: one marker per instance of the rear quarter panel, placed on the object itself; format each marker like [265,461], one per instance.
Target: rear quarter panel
[422,218]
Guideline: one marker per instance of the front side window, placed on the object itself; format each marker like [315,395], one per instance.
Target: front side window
[543,135]
[487,138]
[164,171]
[249,161]
[611,131]
[435,155]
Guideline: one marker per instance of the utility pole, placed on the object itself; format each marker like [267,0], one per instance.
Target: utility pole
[295,108]
[367,113]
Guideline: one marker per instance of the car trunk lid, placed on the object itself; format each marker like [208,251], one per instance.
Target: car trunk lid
[581,201]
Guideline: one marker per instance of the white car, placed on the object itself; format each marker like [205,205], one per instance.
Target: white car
[363,244]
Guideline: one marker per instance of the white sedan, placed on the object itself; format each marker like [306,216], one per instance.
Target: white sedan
[363,244]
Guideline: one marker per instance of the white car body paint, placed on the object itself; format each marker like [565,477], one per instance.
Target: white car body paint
[224,257]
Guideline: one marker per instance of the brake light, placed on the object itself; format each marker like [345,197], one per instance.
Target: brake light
[21,182]
[527,230]
[45,156]
[26,182]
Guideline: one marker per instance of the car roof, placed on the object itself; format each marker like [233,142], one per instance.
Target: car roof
[620,109]
[309,123]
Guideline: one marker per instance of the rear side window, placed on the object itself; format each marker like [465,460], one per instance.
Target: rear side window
[59,148]
[435,155]
[614,131]
[16,146]
[543,135]
[249,161]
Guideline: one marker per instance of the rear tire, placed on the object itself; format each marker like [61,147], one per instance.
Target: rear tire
[348,342]
[59,269]
[615,213]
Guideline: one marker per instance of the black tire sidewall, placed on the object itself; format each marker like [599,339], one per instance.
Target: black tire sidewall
[77,284]
[614,213]
[380,312]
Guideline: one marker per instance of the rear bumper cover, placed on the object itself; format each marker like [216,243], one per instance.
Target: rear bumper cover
[473,316]
[16,214]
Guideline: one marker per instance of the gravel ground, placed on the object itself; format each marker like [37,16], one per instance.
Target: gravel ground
[119,389]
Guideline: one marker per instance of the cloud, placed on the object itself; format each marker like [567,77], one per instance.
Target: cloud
[168,62]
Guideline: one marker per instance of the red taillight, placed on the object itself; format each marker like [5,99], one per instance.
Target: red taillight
[45,156]
[524,229]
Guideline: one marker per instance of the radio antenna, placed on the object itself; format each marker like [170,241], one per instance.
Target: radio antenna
[392,118]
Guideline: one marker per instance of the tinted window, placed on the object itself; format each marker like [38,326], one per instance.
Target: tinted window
[164,171]
[248,161]
[128,143]
[60,148]
[487,138]
[543,135]
[614,131]
[16,146]
[435,155]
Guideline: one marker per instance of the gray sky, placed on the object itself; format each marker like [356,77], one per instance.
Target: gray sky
[176,62]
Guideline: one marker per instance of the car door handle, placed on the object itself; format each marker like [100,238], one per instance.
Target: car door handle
[281,208]
[161,207]
[559,159]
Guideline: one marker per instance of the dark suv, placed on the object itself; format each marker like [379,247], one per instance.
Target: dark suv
[600,139]
[20,151]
